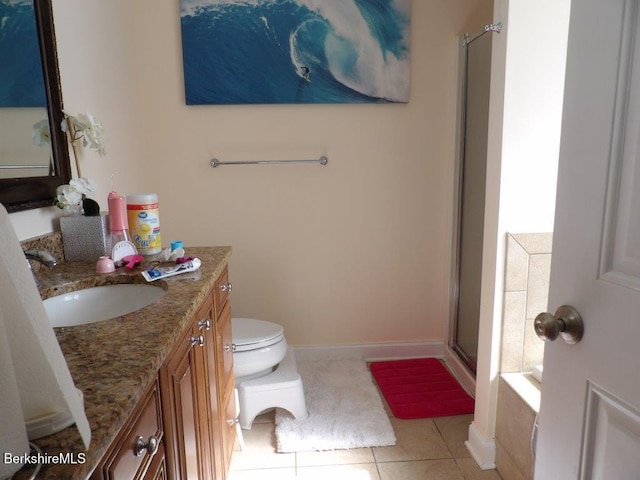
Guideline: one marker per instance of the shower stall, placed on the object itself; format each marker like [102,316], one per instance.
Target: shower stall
[471,166]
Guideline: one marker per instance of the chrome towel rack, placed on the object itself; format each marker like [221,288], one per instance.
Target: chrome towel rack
[20,167]
[215,163]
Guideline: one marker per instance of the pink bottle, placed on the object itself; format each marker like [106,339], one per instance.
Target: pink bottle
[118,224]
[121,244]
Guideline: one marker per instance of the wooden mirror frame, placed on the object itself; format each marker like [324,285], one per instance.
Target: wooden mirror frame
[26,193]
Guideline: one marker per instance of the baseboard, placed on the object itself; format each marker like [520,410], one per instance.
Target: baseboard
[460,371]
[371,351]
[483,450]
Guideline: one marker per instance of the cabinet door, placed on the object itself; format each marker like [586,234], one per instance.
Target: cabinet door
[182,389]
[206,324]
[228,414]
[229,424]
[158,468]
[221,291]
[138,450]
[225,345]
[195,383]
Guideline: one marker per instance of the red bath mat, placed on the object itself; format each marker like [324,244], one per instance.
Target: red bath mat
[421,388]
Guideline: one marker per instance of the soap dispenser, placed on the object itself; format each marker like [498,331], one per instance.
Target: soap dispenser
[120,237]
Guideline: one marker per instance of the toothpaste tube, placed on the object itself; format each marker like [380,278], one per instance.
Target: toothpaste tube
[156,273]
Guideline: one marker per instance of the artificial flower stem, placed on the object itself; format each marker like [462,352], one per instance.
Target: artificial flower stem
[72,135]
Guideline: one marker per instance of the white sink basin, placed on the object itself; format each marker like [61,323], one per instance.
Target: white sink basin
[99,303]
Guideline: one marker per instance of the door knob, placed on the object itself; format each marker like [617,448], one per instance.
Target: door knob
[567,323]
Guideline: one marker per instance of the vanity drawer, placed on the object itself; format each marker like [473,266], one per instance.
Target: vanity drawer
[138,451]
[221,291]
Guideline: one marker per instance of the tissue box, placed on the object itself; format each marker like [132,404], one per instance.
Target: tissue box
[85,238]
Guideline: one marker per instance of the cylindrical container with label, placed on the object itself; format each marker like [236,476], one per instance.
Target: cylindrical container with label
[144,222]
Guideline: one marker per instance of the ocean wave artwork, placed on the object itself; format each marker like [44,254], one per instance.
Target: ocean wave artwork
[295,51]
[21,77]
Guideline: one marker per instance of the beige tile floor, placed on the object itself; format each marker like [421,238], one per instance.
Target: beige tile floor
[431,449]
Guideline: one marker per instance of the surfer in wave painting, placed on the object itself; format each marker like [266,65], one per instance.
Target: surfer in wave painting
[358,51]
[306,73]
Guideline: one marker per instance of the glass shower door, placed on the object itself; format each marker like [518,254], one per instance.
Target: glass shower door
[471,198]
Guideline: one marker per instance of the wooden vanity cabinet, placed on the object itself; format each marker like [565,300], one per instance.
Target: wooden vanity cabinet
[138,451]
[184,382]
[190,409]
[198,393]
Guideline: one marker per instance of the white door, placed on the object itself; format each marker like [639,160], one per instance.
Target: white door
[589,423]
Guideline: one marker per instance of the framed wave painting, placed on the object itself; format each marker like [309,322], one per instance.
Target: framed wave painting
[295,51]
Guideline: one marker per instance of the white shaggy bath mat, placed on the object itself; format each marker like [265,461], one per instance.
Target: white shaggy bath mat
[345,410]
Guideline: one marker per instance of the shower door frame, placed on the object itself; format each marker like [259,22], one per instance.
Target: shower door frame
[461,118]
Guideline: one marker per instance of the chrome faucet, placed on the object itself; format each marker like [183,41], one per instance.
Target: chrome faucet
[42,256]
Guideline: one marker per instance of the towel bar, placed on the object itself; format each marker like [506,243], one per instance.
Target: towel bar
[20,167]
[216,163]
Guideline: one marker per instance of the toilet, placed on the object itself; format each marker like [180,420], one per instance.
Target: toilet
[265,370]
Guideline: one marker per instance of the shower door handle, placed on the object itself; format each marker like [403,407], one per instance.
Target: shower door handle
[566,322]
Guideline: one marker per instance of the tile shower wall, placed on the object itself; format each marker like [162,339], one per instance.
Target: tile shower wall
[526,288]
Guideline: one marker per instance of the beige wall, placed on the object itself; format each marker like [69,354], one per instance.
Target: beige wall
[354,252]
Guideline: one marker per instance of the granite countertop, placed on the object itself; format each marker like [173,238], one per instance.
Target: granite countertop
[113,361]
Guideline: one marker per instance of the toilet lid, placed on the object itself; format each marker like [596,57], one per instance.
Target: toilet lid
[249,333]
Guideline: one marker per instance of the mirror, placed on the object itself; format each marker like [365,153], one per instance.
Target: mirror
[24,190]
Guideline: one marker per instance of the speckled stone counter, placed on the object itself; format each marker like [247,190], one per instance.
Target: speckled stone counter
[113,361]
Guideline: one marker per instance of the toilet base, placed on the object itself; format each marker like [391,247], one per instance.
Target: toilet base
[280,389]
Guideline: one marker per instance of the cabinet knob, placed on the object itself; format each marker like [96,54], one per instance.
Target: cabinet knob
[204,323]
[226,287]
[230,347]
[150,446]
[199,340]
[233,421]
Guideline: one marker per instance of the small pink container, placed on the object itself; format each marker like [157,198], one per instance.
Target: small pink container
[105,265]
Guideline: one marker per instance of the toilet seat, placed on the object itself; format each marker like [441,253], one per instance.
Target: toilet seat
[251,334]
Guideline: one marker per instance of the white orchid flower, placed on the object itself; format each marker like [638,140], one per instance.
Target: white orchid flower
[42,133]
[85,126]
[69,196]
[84,185]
